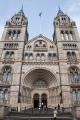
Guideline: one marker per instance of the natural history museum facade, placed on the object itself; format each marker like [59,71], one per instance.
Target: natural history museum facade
[40,70]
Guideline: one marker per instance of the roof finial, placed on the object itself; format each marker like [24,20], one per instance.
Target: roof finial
[60,12]
[59,8]
[22,6]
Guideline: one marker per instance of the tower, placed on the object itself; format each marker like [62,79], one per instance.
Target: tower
[12,44]
[67,40]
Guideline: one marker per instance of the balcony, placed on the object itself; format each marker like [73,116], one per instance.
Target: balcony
[75,83]
[44,49]
[76,103]
[5,83]
[4,102]
[8,61]
[41,61]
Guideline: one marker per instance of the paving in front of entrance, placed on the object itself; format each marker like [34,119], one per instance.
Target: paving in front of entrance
[35,114]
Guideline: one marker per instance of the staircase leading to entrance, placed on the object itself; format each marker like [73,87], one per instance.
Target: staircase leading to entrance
[35,114]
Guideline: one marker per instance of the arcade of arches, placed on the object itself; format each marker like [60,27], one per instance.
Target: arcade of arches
[40,86]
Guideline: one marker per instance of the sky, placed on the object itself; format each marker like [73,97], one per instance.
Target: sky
[36,24]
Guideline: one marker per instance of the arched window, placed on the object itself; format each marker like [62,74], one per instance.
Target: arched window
[66,35]
[71,56]
[4,95]
[42,56]
[9,34]
[74,74]
[9,55]
[1,95]
[38,56]
[71,35]
[18,34]
[12,54]
[50,56]
[26,56]
[76,95]
[62,35]
[7,73]
[30,56]
[14,34]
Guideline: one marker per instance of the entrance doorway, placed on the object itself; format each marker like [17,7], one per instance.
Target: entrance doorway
[44,99]
[36,100]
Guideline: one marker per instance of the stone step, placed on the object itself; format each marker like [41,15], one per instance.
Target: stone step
[35,118]
[35,114]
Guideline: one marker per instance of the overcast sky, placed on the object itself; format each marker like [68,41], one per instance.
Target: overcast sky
[32,8]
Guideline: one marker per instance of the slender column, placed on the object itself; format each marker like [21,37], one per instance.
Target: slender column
[40,100]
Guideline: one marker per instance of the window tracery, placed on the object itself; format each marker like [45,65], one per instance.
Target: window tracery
[40,84]
[14,34]
[9,55]
[7,74]
[71,56]
[76,95]
[74,75]
[4,95]
[68,35]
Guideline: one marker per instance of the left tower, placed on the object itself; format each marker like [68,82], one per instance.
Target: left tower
[12,44]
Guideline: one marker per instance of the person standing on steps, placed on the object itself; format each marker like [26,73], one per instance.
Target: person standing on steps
[55,113]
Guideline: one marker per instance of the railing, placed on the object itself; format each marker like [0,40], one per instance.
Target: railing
[75,83]
[3,82]
[8,60]
[40,49]
[4,102]
[76,103]
[41,60]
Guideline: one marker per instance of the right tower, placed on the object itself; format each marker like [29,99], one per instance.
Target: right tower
[67,40]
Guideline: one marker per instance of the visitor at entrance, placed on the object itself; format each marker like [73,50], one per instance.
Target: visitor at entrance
[44,108]
[55,113]
[58,107]
[42,105]
[39,108]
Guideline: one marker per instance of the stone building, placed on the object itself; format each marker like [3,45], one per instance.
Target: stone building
[40,70]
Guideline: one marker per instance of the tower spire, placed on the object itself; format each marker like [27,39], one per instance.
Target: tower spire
[22,6]
[60,12]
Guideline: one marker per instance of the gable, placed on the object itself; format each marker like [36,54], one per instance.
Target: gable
[41,42]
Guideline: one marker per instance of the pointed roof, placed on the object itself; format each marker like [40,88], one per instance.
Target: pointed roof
[60,13]
[21,12]
[40,36]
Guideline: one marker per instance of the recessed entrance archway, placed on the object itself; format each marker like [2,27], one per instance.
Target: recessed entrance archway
[36,100]
[41,86]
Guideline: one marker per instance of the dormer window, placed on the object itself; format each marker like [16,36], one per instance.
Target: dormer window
[17,18]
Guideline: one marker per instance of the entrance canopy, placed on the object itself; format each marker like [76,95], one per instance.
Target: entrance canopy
[40,78]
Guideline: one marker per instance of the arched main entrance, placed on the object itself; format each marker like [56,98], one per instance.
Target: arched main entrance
[36,100]
[44,99]
[39,100]
[42,85]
